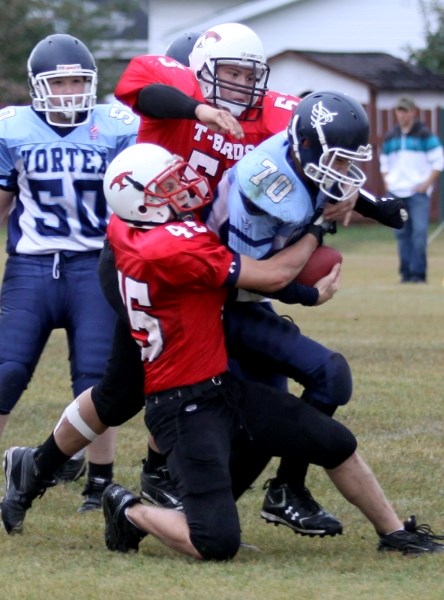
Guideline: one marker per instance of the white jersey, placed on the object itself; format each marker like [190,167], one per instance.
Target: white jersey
[57,175]
[261,204]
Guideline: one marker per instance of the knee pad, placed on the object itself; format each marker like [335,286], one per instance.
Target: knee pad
[333,385]
[339,380]
[214,531]
[222,547]
[14,378]
[343,446]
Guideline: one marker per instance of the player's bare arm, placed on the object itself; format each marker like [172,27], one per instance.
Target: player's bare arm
[274,273]
[6,199]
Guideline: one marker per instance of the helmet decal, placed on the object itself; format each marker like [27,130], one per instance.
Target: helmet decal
[209,36]
[73,67]
[320,115]
[119,179]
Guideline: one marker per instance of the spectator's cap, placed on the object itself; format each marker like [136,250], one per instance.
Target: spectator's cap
[406,103]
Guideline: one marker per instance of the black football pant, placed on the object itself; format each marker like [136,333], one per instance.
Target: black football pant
[195,428]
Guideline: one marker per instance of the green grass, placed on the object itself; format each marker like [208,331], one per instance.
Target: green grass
[392,337]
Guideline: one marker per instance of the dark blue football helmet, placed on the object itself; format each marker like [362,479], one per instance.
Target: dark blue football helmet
[328,132]
[181,47]
[62,55]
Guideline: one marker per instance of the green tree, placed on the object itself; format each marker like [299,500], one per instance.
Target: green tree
[432,56]
[96,23]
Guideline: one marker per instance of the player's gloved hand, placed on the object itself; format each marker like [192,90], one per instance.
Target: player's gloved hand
[319,227]
[387,211]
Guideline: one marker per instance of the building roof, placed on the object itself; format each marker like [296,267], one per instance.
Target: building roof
[379,70]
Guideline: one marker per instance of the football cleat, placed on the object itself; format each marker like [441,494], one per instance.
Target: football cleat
[412,540]
[23,485]
[72,469]
[93,492]
[297,510]
[120,534]
[157,488]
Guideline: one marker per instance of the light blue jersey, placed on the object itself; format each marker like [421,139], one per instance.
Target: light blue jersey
[57,176]
[261,203]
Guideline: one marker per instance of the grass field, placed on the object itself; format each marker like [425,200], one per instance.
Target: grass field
[392,337]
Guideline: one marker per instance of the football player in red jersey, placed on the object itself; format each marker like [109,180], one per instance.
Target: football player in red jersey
[174,276]
[213,112]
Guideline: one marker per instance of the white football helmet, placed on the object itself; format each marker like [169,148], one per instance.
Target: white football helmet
[146,185]
[61,55]
[237,45]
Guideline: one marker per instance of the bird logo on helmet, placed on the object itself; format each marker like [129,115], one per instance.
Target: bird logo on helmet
[120,179]
[328,133]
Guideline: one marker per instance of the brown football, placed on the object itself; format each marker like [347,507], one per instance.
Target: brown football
[320,263]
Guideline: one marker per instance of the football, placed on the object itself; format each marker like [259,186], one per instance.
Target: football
[319,265]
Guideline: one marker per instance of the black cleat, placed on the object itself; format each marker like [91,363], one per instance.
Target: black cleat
[412,540]
[72,470]
[120,534]
[299,511]
[157,488]
[23,485]
[93,492]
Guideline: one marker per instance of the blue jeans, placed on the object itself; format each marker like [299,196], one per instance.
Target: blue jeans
[412,239]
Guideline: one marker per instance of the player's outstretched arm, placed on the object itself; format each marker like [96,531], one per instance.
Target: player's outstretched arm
[167,102]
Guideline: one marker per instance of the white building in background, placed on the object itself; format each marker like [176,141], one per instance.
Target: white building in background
[389,26]
[354,46]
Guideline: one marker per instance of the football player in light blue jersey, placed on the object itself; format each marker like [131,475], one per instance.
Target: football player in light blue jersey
[275,194]
[53,156]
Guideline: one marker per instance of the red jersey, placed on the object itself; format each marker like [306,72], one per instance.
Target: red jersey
[208,152]
[173,280]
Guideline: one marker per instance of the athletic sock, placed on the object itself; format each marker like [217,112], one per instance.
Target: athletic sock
[49,458]
[102,471]
[154,460]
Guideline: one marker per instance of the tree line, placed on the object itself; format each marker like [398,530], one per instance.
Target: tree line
[26,22]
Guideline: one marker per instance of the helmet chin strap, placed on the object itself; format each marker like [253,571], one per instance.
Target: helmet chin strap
[235,110]
[180,216]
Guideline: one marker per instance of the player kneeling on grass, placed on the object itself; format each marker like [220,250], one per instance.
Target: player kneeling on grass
[174,277]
